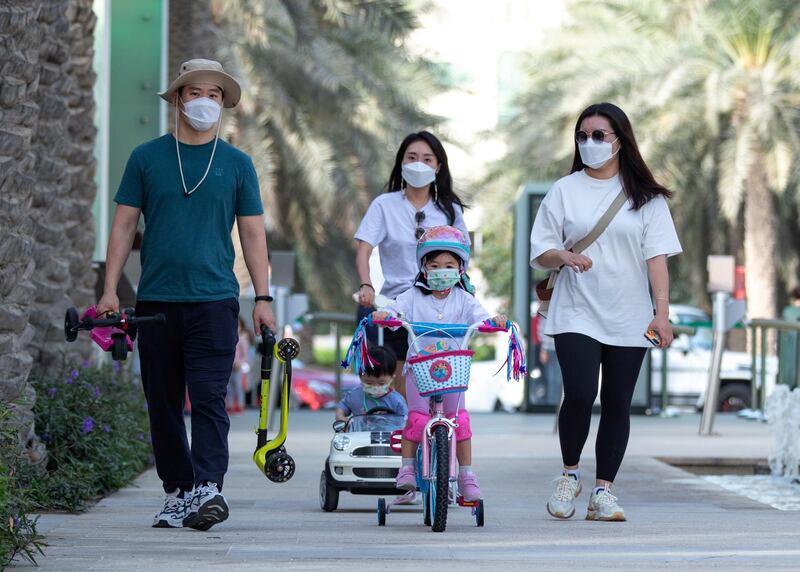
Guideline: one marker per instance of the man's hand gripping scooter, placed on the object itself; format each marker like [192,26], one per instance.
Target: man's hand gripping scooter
[270,455]
[113,332]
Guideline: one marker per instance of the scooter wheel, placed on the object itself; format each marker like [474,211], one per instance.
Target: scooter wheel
[288,348]
[119,351]
[71,321]
[279,467]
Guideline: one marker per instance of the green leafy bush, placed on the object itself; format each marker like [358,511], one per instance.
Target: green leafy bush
[94,423]
[18,534]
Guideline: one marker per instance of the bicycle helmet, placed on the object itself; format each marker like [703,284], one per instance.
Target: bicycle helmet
[447,238]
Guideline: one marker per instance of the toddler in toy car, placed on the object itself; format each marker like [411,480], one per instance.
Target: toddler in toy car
[375,391]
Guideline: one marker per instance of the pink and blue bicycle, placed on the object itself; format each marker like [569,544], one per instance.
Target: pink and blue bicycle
[436,374]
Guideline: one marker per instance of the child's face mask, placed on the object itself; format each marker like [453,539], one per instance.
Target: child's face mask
[443,278]
[377,390]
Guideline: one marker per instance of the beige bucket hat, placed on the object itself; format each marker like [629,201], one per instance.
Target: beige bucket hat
[205,71]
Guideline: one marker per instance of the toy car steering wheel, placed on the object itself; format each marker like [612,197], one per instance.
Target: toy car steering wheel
[380,410]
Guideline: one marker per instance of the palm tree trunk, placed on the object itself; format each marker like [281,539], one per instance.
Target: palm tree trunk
[759,241]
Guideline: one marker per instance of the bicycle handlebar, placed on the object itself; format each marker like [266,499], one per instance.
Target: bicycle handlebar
[484,327]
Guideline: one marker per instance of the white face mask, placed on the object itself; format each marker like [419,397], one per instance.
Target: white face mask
[376,391]
[418,174]
[595,155]
[202,113]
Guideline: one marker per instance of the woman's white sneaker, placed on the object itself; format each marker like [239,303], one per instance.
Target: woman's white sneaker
[562,501]
[603,506]
[174,511]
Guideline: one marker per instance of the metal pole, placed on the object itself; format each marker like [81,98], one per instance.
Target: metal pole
[338,353]
[753,360]
[664,397]
[712,389]
[762,385]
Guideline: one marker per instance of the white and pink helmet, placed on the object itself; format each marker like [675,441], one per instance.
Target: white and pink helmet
[447,238]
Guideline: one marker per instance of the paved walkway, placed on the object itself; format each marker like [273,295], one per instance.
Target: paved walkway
[675,519]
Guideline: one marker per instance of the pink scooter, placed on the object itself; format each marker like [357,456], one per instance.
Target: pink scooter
[114,333]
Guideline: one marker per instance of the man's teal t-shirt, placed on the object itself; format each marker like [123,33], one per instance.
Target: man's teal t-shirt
[187,251]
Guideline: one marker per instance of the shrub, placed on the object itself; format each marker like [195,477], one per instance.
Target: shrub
[94,423]
[18,534]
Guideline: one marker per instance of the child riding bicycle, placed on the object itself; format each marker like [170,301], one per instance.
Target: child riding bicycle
[442,295]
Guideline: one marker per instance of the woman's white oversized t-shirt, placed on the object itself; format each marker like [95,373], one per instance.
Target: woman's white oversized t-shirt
[611,301]
[390,225]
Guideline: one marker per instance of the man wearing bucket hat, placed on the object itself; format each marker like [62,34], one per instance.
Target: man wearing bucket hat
[190,187]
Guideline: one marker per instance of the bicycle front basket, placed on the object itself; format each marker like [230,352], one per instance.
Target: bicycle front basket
[442,372]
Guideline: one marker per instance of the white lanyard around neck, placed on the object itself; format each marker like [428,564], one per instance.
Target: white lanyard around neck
[178,149]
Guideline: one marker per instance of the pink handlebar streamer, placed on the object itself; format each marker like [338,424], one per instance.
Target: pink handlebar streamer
[358,352]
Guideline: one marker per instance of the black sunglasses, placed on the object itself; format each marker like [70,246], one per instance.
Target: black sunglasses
[598,136]
[418,218]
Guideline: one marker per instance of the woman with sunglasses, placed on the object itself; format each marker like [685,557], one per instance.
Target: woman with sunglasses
[605,298]
[419,195]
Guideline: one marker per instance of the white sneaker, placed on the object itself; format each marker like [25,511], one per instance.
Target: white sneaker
[174,511]
[208,508]
[603,506]
[562,501]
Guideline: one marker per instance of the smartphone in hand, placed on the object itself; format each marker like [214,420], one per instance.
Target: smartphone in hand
[653,337]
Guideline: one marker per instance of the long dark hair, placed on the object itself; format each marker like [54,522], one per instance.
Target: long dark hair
[444,182]
[637,180]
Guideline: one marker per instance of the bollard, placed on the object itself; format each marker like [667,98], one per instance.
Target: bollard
[338,352]
[712,389]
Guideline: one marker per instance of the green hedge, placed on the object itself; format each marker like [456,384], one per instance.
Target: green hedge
[94,423]
[18,534]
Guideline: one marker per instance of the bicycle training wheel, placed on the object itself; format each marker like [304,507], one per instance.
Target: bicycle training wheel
[440,471]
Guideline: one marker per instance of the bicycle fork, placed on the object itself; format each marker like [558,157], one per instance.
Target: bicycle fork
[438,418]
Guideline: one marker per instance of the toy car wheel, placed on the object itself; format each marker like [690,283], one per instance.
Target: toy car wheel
[119,351]
[381,512]
[479,513]
[328,495]
[71,321]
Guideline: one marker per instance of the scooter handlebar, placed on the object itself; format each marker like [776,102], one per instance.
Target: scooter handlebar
[117,321]
[267,339]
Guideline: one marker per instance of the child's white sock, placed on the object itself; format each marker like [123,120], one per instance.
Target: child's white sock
[408,461]
[464,469]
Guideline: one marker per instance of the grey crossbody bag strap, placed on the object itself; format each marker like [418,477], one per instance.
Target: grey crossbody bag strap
[601,225]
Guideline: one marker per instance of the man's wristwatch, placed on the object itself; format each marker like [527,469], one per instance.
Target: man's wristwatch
[264,298]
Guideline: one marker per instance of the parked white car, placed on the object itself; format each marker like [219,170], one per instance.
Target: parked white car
[688,362]
[361,460]
[488,388]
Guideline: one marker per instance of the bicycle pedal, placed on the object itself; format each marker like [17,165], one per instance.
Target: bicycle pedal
[466,503]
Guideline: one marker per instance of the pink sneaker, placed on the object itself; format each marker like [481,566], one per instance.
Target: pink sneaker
[407,478]
[468,486]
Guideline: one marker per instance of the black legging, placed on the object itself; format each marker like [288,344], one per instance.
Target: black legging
[581,358]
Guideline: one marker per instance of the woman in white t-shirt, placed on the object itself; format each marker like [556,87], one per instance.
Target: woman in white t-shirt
[603,300]
[419,196]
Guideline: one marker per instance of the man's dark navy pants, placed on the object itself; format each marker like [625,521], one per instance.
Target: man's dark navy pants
[194,350]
